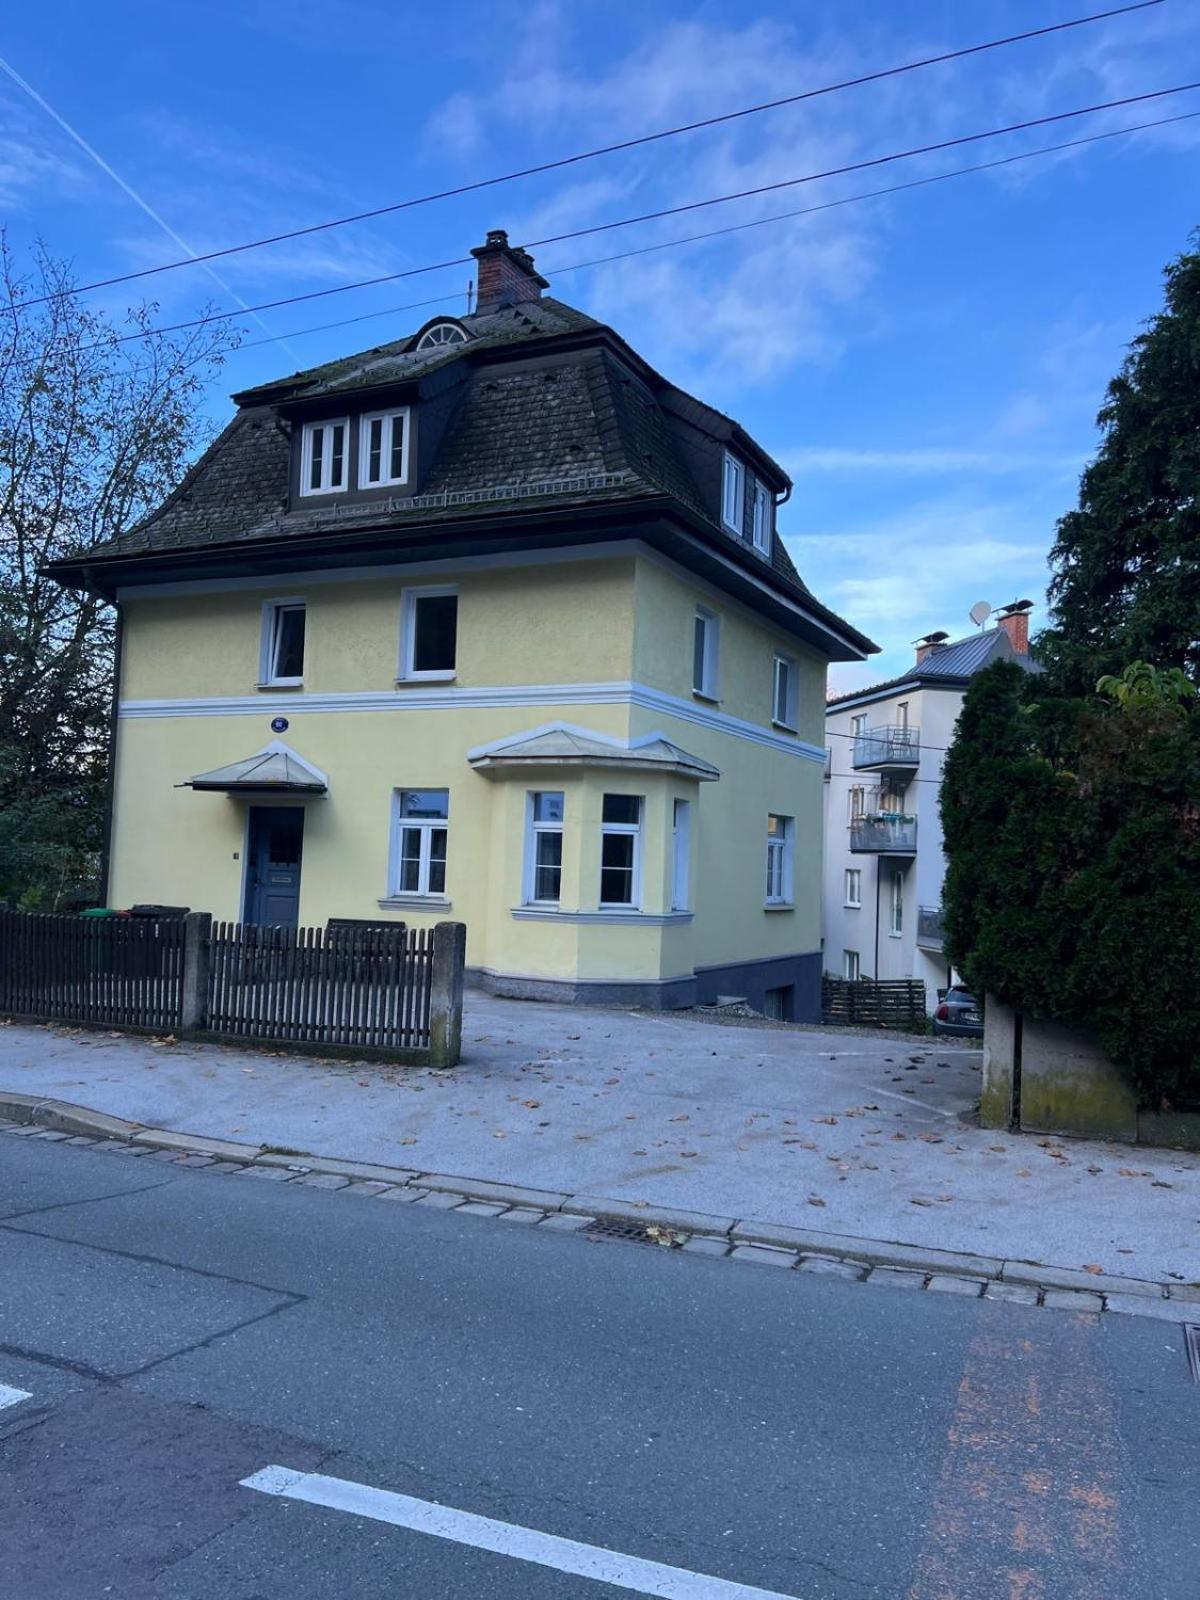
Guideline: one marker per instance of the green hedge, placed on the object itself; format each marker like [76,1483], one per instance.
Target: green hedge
[1072,832]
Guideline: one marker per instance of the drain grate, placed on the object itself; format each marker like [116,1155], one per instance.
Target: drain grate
[1191,1337]
[636,1233]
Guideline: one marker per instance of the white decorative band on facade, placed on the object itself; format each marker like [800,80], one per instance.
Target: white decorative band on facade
[645,919]
[450,699]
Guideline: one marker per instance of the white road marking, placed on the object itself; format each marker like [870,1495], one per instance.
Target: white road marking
[502,1538]
[12,1397]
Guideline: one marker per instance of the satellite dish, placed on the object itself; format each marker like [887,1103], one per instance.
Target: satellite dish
[980,612]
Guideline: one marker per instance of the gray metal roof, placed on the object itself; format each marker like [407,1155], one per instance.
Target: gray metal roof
[275,767]
[561,745]
[948,666]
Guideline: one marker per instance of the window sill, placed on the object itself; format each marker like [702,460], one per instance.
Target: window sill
[426,677]
[851,905]
[779,905]
[624,916]
[784,727]
[281,683]
[709,699]
[414,902]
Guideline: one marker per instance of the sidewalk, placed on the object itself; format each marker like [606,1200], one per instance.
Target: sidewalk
[839,1132]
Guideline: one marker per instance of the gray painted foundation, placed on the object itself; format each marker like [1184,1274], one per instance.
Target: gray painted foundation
[749,979]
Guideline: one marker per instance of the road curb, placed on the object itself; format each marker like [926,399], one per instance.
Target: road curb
[804,1244]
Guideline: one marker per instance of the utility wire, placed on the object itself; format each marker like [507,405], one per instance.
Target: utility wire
[612,149]
[694,205]
[758,222]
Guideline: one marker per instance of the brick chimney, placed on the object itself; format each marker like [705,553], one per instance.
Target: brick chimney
[930,643]
[1014,619]
[507,275]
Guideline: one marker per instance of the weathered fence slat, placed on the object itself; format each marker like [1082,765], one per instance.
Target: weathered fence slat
[874,1003]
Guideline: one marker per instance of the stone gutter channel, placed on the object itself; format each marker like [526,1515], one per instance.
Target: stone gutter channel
[779,1245]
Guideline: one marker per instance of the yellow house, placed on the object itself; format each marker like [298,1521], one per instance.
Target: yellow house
[491,624]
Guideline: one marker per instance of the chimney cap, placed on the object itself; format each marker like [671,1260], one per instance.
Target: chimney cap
[496,243]
[1014,608]
[932,638]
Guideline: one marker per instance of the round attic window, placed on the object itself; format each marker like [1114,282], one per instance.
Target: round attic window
[440,334]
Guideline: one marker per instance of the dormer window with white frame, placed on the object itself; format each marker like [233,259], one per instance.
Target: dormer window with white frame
[324,457]
[383,449]
[763,516]
[733,495]
[441,333]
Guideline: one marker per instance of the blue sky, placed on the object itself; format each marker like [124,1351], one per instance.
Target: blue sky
[927,365]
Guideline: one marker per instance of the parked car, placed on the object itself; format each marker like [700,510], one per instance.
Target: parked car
[959,1015]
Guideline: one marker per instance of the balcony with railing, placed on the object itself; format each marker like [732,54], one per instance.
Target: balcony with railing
[929,927]
[890,748]
[883,833]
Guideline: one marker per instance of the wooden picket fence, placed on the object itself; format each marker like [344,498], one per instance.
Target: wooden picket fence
[125,971]
[874,1003]
[350,988]
[362,987]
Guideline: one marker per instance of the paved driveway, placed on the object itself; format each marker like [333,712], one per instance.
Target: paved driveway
[848,1133]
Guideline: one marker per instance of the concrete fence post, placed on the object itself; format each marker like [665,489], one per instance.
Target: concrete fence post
[446,993]
[197,930]
[1000,1090]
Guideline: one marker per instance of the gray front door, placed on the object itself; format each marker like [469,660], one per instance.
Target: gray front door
[274,849]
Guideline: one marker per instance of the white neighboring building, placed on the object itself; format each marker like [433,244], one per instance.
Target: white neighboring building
[884,864]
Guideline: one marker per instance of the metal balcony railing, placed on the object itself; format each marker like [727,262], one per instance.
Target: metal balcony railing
[929,927]
[884,834]
[888,746]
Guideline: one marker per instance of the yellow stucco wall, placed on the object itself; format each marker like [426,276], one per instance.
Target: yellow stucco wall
[588,622]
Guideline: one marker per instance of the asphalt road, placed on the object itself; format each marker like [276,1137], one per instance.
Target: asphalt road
[693,1428]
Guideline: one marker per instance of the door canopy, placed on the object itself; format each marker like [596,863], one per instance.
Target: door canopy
[275,769]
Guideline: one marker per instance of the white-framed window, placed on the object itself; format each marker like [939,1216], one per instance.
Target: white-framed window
[281,654]
[780,832]
[902,714]
[858,726]
[325,457]
[383,448]
[419,848]
[706,647]
[544,847]
[783,691]
[621,850]
[762,517]
[850,965]
[681,855]
[853,895]
[896,906]
[441,333]
[429,633]
[858,803]
[733,494]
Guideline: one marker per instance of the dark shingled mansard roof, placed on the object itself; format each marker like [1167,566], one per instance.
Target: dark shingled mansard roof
[588,425]
[947,666]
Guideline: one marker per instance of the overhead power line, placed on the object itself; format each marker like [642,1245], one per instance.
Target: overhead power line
[557,271]
[694,205]
[575,159]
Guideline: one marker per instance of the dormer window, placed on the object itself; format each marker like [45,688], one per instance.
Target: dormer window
[383,449]
[763,517]
[733,494]
[441,333]
[324,468]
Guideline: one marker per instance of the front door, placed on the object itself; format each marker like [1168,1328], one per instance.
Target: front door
[274,848]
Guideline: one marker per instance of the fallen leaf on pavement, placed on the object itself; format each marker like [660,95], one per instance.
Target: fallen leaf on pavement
[1024,1172]
[1093,1268]
[814,1201]
[830,1120]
